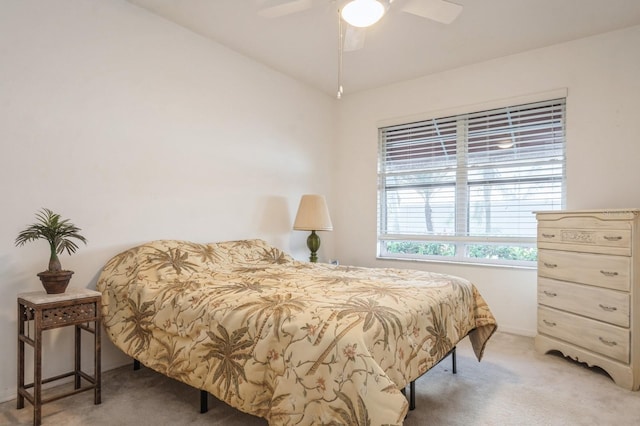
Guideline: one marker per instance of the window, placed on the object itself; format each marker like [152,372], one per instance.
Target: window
[464,188]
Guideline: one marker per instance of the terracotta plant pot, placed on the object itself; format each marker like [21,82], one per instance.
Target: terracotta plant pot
[55,282]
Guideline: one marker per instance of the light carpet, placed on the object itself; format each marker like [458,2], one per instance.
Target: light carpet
[512,385]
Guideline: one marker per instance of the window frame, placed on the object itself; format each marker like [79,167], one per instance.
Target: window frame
[462,188]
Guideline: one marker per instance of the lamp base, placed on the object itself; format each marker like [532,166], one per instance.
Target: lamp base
[313,242]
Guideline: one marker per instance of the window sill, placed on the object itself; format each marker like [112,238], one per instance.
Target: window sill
[457,263]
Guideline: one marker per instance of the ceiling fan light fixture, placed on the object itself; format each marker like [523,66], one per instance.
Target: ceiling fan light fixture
[506,144]
[362,13]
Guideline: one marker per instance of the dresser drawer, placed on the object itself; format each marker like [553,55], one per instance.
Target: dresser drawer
[607,241]
[605,339]
[595,269]
[610,221]
[594,302]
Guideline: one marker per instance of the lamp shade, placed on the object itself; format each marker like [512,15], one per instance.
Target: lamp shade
[313,214]
[362,13]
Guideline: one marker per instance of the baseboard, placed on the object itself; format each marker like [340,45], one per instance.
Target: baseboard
[518,331]
[7,396]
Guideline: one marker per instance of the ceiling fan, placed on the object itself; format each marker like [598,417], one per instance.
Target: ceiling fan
[442,11]
[356,15]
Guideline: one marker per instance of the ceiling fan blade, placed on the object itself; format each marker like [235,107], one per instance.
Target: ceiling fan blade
[354,38]
[441,11]
[287,8]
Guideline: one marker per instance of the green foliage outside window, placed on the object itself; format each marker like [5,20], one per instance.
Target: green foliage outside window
[475,251]
[425,249]
[483,251]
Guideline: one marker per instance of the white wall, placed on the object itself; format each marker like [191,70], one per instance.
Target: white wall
[601,75]
[137,129]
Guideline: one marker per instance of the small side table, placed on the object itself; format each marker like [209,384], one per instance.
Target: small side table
[78,307]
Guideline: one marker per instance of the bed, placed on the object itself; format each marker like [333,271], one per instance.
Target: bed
[292,342]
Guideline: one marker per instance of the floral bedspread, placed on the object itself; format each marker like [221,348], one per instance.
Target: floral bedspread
[293,342]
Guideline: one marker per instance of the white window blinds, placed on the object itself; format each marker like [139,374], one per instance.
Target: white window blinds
[472,178]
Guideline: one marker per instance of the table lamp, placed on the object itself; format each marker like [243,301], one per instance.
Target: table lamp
[313,215]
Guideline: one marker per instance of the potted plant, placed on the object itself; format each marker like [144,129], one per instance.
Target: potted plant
[60,234]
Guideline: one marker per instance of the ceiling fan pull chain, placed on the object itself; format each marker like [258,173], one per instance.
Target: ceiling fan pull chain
[340,52]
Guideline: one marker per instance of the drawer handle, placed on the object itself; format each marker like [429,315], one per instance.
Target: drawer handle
[552,294]
[609,274]
[550,235]
[607,342]
[549,323]
[615,238]
[608,308]
[551,265]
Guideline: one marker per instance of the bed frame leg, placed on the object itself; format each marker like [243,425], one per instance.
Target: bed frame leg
[204,396]
[454,368]
[204,401]
[412,395]
[412,385]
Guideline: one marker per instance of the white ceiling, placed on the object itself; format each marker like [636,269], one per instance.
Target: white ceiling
[401,46]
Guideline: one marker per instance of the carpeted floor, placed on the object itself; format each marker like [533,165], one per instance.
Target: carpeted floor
[512,386]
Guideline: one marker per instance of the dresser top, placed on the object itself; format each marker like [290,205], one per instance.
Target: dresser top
[611,214]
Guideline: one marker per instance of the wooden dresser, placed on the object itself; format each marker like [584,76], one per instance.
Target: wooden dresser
[589,289]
